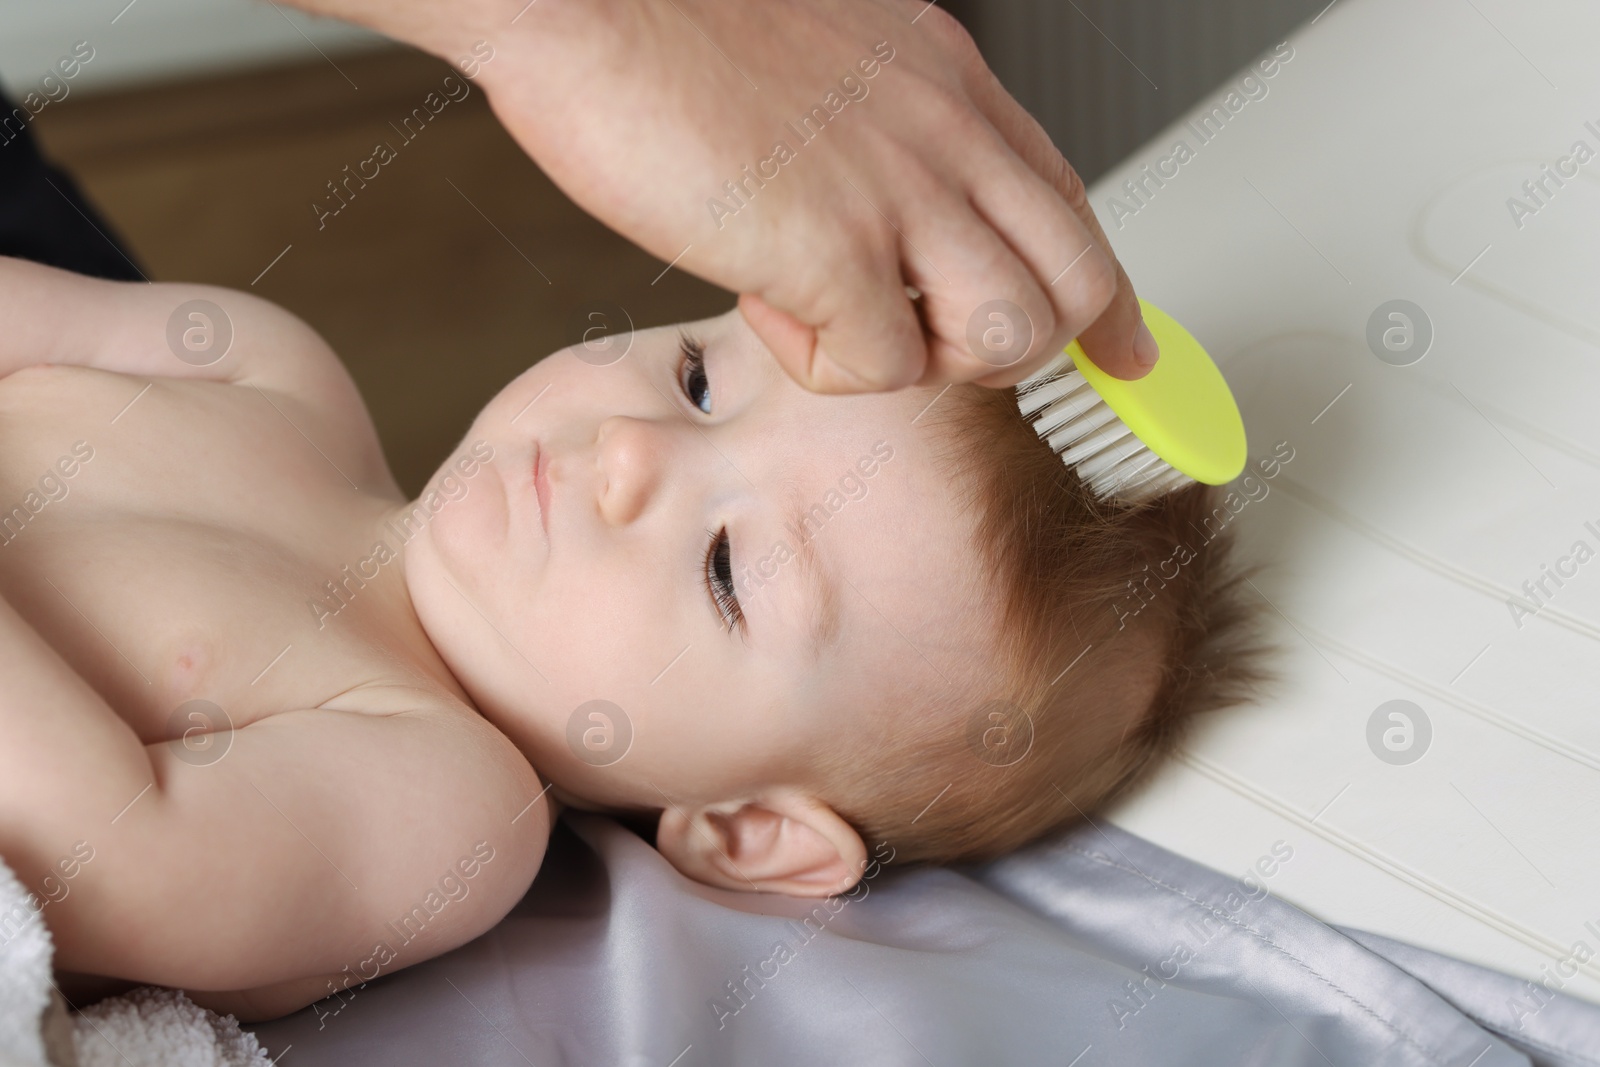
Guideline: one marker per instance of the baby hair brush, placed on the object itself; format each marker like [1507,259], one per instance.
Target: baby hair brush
[1133,441]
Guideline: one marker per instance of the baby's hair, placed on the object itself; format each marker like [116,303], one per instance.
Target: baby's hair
[1114,626]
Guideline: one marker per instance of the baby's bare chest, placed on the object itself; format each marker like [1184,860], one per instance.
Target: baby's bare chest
[189,549]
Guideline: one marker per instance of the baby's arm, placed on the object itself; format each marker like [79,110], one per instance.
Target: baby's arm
[50,316]
[283,862]
[55,316]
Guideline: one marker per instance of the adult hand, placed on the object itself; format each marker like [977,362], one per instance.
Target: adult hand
[815,156]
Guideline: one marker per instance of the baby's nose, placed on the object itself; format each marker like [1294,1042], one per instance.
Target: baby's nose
[631,454]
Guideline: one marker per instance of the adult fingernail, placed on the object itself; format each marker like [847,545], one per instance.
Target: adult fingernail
[1145,349]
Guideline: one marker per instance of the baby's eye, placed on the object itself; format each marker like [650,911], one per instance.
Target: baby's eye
[692,373]
[718,569]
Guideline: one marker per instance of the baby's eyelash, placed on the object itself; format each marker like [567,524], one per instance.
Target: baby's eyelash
[692,358]
[717,567]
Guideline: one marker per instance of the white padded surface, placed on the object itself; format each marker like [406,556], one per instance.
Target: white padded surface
[1378,167]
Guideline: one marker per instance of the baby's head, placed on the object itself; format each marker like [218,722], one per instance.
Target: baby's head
[790,627]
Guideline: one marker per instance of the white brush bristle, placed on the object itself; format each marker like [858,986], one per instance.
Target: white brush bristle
[1086,433]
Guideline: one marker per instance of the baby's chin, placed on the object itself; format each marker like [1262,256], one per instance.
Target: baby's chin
[577,802]
[600,801]
[460,546]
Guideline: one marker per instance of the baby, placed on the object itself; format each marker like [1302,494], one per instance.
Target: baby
[268,729]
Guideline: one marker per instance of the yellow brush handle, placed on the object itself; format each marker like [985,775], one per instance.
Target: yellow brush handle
[1182,410]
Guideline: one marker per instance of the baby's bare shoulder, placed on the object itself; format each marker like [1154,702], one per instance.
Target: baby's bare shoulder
[446,779]
[443,755]
[359,838]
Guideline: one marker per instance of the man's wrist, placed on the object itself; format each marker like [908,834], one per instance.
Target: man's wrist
[445,28]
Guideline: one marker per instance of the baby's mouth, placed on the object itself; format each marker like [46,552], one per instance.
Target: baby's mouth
[541,488]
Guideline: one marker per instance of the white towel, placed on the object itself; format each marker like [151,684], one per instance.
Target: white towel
[147,1027]
[25,951]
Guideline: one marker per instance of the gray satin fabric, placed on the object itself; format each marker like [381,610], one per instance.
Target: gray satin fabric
[1066,953]
[1558,1031]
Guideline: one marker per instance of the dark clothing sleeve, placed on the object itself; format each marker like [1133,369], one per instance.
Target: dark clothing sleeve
[43,216]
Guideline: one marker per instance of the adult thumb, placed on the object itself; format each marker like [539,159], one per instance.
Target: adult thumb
[1118,341]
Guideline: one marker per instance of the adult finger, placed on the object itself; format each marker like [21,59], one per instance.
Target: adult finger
[867,336]
[982,306]
[1075,275]
[1117,341]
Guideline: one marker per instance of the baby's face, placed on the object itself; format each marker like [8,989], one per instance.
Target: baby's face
[659,564]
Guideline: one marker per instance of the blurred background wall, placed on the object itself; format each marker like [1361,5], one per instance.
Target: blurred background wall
[161,40]
[1104,76]
[205,130]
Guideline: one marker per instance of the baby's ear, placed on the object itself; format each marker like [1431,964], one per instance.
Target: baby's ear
[778,842]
